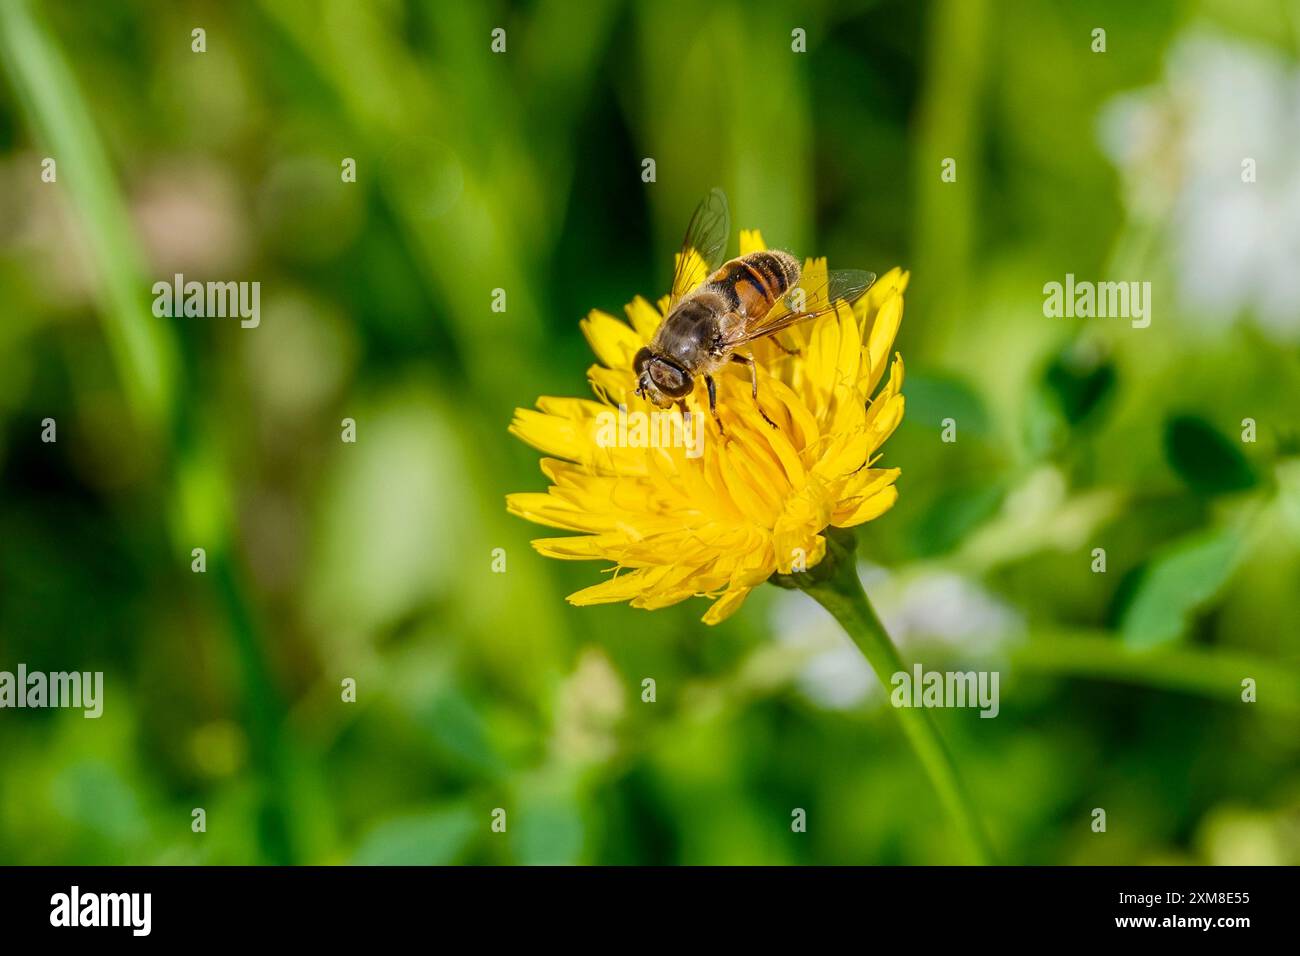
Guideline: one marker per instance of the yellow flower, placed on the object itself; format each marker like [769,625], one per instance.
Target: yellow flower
[675,524]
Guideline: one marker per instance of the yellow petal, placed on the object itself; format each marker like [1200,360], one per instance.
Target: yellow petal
[872,507]
[849,356]
[725,606]
[891,414]
[616,386]
[614,342]
[645,318]
[622,587]
[893,281]
[560,437]
[813,280]
[811,550]
[545,509]
[881,339]
[866,484]
[572,408]
[581,547]
[695,272]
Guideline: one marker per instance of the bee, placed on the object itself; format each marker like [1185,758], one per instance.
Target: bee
[714,313]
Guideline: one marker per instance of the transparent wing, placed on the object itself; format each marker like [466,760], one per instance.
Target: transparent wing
[808,300]
[705,244]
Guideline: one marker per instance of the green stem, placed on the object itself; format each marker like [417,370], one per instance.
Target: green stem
[1215,673]
[834,584]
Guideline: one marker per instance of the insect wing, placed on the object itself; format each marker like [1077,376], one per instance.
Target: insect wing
[804,303]
[705,244]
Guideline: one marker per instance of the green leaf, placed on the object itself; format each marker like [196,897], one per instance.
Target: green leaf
[1080,389]
[933,397]
[1177,582]
[1208,462]
[145,351]
[550,828]
[460,731]
[433,838]
[955,514]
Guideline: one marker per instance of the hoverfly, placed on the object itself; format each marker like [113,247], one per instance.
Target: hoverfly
[732,304]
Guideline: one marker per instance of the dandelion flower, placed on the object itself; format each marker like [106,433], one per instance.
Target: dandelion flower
[758,500]
[763,498]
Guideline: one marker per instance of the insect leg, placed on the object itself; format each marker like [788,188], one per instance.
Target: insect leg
[686,415]
[753,381]
[713,402]
[783,347]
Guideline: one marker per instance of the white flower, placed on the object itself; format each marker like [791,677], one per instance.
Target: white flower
[1181,147]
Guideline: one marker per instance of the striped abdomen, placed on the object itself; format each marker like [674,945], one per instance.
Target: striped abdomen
[752,284]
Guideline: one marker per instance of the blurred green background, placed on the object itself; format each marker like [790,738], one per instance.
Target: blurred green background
[522,171]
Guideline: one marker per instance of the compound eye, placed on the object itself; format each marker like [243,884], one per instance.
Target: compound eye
[639,361]
[671,381]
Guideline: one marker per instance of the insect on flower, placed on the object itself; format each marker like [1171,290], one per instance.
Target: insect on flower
[672,521]
[751,297]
